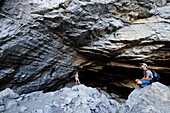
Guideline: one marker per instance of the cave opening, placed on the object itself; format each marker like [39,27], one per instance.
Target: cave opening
[113,79]
[110,79]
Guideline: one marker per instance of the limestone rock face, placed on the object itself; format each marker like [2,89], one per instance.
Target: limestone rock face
[31,57]
[41,42]
[83,21]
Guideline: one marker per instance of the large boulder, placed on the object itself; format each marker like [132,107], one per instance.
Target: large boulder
[154,98]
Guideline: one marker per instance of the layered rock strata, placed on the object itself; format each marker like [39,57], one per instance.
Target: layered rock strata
[41,42]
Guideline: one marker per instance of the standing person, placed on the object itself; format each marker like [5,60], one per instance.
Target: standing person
[77,77]
[148,76]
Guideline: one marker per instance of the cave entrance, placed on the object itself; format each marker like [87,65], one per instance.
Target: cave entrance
[112,83]
[115,81]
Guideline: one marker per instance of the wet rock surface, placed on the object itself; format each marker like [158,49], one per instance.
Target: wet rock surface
[154,98]
[41,42]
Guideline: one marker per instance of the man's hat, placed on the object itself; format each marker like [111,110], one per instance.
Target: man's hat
[144,64]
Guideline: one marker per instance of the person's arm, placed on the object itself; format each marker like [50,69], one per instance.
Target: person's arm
[145,77]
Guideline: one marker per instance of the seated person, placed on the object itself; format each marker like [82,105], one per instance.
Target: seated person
[148,76]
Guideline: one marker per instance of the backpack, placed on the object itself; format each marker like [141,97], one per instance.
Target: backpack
[156,76]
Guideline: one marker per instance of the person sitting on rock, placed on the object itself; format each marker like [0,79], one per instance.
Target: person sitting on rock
[77,77]
[147,78]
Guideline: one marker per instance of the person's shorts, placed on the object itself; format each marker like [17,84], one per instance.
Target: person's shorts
[145,82]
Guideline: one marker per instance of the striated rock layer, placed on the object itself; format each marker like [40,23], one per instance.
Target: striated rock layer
[41,42]
[31,57]
[154,98]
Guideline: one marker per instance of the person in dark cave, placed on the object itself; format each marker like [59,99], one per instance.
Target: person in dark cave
[147,78]
[76,76]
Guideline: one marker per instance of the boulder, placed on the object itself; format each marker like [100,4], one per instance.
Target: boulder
[154,98]
[8,94]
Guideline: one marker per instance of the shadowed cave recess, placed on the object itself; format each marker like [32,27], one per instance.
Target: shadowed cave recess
[114,79]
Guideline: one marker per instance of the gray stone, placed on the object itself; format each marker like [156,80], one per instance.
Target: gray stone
[164,12]
[105,93]
[8,94]
[152,3]
[39,111]
[1,101]
[49,109]
[2,108]
[92,106]
[11,104]
[154,98]
[68,100]
[23,109]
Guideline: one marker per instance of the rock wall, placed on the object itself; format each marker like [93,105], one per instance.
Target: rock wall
[154,98]
[31,57]
[41,42]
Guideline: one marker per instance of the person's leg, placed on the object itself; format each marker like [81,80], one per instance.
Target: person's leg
[138,81]
[78,81]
